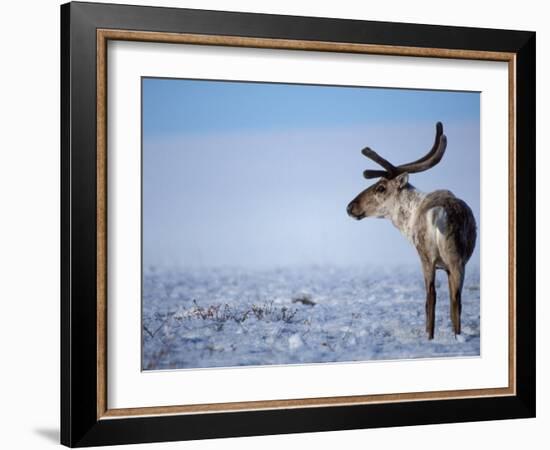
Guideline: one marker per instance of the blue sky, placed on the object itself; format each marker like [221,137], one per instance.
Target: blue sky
[259,174]
[174,107]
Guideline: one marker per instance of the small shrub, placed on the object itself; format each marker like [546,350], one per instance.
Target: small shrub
[221,313]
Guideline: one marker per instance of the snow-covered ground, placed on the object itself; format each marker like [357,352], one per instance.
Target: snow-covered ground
[230,317]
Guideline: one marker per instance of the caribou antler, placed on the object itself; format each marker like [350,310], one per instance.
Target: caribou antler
[429,160]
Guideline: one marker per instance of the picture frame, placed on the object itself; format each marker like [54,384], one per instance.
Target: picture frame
[86,29]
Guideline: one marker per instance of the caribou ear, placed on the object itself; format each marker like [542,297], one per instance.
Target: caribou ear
[402,180]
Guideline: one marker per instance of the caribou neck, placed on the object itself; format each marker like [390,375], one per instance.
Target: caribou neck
[403,212]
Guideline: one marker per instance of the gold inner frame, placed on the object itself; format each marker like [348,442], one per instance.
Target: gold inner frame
[103,36]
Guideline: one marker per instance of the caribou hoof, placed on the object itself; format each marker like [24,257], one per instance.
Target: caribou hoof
[460,338]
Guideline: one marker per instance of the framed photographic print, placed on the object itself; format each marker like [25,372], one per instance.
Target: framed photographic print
[268,220]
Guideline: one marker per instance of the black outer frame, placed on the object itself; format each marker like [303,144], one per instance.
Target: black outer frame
[79,424]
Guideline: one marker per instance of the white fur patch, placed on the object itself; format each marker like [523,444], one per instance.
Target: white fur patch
[437,217]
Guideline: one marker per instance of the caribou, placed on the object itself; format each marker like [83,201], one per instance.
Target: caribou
[441,226]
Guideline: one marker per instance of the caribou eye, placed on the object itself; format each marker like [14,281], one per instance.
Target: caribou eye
[380,189]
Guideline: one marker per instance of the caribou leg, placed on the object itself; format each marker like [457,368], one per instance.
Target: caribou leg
[429,279]
[456,280]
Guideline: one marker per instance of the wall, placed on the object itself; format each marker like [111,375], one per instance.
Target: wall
[29,246]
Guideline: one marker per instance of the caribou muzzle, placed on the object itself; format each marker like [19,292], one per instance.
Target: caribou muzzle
[353,211]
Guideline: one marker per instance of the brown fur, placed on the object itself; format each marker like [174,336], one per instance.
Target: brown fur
[461,223]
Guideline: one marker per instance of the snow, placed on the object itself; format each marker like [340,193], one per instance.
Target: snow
[223,317]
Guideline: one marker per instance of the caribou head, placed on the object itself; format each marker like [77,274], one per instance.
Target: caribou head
[381,199]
